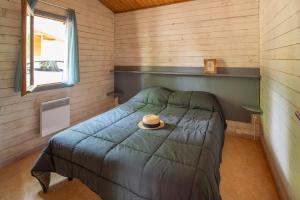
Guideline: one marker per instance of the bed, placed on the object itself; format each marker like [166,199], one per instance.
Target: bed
[119,161]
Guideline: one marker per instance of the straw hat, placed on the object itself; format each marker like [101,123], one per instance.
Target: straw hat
[151,122]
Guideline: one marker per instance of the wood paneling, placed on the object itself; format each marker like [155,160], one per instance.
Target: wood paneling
[19,116]
[280,86]
[186,33]
[119,6]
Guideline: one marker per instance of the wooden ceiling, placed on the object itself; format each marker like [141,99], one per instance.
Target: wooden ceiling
[118,6]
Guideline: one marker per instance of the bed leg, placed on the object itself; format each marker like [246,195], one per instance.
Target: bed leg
[70,179]
[45,190]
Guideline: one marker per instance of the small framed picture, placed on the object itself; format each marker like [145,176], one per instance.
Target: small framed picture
[210,66]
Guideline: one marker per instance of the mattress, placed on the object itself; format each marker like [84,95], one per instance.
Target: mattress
[119,161]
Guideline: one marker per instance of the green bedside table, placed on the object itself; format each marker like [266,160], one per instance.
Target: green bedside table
[255,111]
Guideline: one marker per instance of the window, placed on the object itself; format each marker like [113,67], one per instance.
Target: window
[49,51]
[49,65]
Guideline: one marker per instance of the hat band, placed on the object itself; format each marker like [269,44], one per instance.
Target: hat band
[151,125]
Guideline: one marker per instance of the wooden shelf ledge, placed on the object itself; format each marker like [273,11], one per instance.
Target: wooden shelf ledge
[188,74]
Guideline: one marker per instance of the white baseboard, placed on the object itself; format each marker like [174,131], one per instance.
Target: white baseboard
[282,184]
[242,129]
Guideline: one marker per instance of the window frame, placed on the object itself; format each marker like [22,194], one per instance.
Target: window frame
[26,12]
[37,88]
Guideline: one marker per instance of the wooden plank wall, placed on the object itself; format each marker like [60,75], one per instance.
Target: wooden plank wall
[280,85]
[19,116]
[183,34]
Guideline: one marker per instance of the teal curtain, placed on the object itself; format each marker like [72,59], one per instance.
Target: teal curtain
[32,3]
[18,80]
[73,54]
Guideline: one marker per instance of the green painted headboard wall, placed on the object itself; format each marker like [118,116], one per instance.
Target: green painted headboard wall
[233,87]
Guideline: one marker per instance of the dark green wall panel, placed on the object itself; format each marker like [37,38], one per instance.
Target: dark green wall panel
[232,91]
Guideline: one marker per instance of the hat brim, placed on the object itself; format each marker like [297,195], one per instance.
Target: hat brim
[141,125]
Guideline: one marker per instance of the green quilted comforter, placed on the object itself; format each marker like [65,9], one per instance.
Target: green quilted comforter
[119,161]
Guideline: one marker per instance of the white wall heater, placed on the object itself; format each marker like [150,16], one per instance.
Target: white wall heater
[55,116]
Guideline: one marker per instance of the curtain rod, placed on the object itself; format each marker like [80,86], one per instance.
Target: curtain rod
[51,4]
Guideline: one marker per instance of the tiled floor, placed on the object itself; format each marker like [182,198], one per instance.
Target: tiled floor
[245,175]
